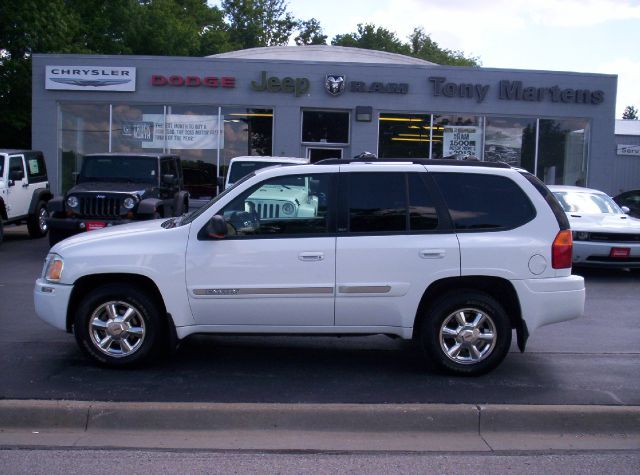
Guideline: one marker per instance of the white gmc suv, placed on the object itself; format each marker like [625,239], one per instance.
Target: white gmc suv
[455,255]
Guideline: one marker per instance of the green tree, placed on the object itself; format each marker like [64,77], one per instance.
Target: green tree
[420,45]
[370,36]
[310,33]
[630,113]
[26,27]
[423,47]
[254,23]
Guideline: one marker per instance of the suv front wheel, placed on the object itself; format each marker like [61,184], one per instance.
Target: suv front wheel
[118,325]
[465,333]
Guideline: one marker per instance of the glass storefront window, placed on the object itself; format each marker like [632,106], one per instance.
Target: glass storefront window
[83,129]
[194,133]
[137,128]
[511,140]
[562,151]
[246,132]
[404,135]
[456,136]
[325,127]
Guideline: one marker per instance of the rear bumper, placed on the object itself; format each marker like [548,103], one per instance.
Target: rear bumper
[546,301]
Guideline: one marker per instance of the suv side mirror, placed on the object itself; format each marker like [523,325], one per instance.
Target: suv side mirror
[625,209]
[217,227]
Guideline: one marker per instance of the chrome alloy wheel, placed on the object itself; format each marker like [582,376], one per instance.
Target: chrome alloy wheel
[468,336]
[42,220]
[117,329]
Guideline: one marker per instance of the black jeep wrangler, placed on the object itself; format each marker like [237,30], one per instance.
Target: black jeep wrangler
[117,188]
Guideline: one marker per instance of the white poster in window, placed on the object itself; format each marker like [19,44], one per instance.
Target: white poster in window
[184,131]
[461,141]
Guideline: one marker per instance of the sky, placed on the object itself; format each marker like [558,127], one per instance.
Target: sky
[593,36]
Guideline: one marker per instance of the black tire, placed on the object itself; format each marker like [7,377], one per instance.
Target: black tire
[127,341]
[470,349]
[36,223]
[55,237]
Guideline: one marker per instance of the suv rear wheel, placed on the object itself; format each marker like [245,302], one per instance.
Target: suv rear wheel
[117,325]
[465,333]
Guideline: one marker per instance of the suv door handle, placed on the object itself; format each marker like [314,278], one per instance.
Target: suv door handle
[311,256]
[432,253]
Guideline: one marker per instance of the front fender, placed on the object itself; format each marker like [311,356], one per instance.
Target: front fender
[55,205]
[39,194]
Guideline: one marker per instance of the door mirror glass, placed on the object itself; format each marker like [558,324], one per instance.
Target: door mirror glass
[16,174]
[217,227]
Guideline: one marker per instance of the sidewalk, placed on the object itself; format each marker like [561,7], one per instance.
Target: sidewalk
[319,427]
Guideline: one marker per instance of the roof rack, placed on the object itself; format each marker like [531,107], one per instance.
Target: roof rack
[416,161]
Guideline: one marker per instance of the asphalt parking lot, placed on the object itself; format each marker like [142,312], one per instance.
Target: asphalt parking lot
[594,360]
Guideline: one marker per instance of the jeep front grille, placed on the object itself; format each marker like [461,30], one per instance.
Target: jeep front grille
[267,210]
[100,207]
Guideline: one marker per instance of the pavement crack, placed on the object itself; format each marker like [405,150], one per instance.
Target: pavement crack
[479,408]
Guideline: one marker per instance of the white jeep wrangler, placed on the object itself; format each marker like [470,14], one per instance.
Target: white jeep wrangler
[451,254]
[24,191]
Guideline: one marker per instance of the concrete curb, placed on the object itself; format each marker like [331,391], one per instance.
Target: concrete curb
[323,426]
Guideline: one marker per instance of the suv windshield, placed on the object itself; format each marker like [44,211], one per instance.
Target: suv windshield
[240,169]
[119,168]
[587,203]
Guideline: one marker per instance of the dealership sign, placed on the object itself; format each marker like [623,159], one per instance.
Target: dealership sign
[629,150]
[179,131]
[90,78]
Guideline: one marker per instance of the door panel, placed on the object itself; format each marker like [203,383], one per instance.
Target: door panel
[262,281]
[380,279]
[18,195]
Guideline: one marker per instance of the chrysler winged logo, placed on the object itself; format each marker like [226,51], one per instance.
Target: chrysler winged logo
[334,84]
[90,82]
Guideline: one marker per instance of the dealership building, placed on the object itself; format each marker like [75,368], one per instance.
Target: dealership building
[325,102]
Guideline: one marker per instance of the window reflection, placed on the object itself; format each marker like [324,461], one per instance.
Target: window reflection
[510,140]
[82,128]
[404,135]
[562,151]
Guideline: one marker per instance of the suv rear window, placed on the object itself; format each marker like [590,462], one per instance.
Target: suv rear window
[36,168]
[390,202]
[479,202]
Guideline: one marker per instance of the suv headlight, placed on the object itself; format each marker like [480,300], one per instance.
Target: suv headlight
[129,202]
[53,266]
[288,209]
[72,202]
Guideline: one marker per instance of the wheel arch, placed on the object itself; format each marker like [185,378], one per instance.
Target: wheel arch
[41,194]
[87,283]
[498,288]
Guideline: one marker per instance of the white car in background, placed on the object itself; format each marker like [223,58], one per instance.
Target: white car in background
[241,166]
[603,234]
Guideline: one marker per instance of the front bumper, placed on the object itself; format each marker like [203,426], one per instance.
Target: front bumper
[590,253]
[51,302]
[76,225]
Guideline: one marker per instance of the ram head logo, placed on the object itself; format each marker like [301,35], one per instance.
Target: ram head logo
[334,84]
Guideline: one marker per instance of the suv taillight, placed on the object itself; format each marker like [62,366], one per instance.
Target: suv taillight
[562,250]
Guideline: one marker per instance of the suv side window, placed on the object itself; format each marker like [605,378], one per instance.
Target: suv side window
[390,202]
[15,165]
[290,205]
[479,202]
[36,168]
